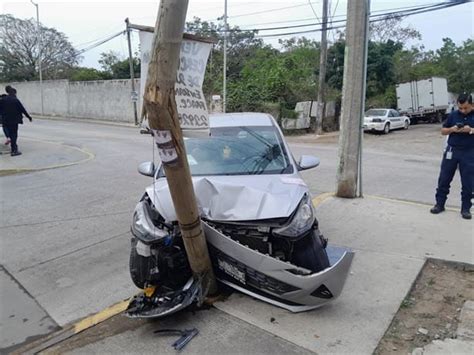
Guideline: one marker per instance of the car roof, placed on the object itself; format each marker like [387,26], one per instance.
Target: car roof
[238,119]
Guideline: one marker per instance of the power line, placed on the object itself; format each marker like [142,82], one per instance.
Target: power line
[79,52]
[394,13]
[314,12]
[335,16]
[440,6]
[267,11]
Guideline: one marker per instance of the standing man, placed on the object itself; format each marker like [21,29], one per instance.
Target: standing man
[12,112]
[459,152]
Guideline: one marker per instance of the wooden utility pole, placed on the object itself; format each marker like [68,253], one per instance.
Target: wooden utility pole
[160,105]
[134,94]
[322,70]
[353,99]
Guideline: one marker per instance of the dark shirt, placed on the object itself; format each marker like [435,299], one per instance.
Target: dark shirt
[460,140]
[12,110]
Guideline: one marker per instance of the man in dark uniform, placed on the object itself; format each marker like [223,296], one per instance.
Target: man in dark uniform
[459,153]
[12,112]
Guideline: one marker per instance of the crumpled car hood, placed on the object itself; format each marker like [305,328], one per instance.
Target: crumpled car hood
[236,198]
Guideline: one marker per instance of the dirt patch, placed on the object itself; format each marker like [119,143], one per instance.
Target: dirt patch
[431,309]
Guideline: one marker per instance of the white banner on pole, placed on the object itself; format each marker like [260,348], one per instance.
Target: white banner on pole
[190,101]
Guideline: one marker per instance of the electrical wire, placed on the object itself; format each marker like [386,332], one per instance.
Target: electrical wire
[267,11]
[378,17]
[314,12]
[384,15]
[404,14]
[342,15]
[92,46]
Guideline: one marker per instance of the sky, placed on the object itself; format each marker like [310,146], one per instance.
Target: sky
[86,22]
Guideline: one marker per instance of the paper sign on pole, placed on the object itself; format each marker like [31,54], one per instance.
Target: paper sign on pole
[190,101]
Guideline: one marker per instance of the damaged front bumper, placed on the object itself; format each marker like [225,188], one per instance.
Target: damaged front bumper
[248,270]
[274,281]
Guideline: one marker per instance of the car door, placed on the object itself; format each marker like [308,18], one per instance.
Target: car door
[396,120]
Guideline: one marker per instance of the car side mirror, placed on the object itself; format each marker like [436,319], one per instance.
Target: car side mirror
[308,162]
[147,168]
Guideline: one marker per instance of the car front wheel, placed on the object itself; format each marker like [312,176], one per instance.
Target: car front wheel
[405,125]
[386,128]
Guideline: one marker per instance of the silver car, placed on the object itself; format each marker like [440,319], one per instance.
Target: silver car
[258,218]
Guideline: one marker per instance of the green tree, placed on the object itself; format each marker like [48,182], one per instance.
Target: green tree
[117,67]
[390,28]
[87,74]
[19,51]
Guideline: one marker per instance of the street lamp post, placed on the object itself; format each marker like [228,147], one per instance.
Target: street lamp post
[38,34]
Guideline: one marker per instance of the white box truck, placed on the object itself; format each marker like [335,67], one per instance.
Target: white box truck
[423,100]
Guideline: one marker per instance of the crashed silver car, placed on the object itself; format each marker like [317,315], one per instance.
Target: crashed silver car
[258,218]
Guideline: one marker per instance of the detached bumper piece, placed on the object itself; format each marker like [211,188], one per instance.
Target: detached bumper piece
[162,302]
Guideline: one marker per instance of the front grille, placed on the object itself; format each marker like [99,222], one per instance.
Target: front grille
[250,236]
[253,277]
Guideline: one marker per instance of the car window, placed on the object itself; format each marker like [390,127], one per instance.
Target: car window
[238,151]
[390,114]
[394,113]
[375,112]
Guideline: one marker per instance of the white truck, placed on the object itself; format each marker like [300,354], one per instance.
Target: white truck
[423,100]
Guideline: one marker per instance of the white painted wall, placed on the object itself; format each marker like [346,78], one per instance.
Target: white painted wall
[104,100]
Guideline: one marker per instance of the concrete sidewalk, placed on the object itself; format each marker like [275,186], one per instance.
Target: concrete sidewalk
[391,239]
[40,155]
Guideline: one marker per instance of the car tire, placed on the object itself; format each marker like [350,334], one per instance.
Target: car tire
[138,266]
[439,117]
[386,128]
[310,253]
[406,125]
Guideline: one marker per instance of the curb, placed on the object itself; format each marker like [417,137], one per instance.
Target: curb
[71,330]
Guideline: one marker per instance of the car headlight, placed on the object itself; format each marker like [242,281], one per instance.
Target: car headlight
[379,120]
[142,225]
[302,221]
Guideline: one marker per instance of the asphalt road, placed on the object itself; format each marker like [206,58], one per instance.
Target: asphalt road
[64,231]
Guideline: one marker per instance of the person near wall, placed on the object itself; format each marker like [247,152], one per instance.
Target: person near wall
[5,131]
[12,111]
[459,152]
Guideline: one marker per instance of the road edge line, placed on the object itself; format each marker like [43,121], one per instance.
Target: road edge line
[321,198]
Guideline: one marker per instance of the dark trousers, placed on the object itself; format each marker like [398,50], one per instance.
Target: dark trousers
[12,129]
[5,131]
[464,159]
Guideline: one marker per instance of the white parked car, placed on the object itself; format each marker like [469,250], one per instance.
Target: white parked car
[384,120]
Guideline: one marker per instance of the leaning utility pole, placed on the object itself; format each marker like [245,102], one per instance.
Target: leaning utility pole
[160,106]
[353,99]
[134,94]
[322,71]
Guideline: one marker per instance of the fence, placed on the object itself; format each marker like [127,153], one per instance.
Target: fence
[103,99]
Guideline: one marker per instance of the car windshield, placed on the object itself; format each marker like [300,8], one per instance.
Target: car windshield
[376,113]
[238,151]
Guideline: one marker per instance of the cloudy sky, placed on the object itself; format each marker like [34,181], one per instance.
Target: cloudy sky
[86,22]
